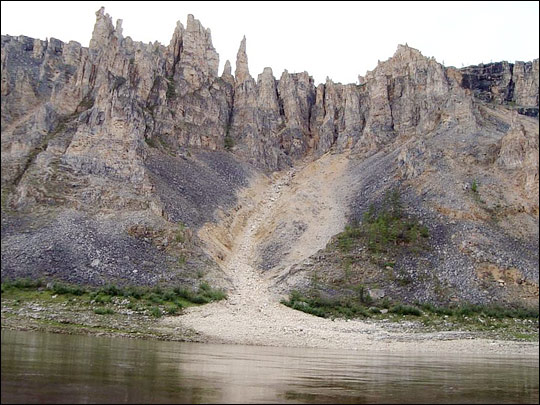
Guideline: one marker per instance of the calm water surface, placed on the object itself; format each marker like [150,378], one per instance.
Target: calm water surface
[41,367]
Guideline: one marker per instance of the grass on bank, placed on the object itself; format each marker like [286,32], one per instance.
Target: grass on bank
[491,321]
[360,306]
[517,323]
[155,301]
[326,307]
[356,307]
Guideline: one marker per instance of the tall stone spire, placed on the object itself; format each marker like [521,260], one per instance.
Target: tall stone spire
[242,71]
[103,30]
[227,75]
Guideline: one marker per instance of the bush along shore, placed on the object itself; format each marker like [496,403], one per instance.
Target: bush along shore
[512,323]
[131,311]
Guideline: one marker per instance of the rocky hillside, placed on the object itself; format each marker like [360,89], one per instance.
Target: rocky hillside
[138,163]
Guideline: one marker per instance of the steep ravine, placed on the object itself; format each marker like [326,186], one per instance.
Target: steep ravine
[253,314]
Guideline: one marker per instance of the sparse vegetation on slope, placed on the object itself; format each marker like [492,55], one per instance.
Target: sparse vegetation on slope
[228,142]
[385,228]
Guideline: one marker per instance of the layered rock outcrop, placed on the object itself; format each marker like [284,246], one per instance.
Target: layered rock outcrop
[505,83]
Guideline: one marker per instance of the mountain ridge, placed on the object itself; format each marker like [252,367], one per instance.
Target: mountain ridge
[152,135]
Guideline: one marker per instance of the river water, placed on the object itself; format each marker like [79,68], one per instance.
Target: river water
[54,368]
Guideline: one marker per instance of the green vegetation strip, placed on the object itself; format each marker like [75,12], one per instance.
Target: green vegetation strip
[359,307]
[153,300]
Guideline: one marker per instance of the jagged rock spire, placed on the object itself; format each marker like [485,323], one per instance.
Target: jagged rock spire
[175,46]
[103,29]
[242,71]
[198,53]
[227,70]
[267,93]
[119,28]
[227,73]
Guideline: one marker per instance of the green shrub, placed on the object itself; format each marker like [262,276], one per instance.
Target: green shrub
[111,290]
[156,312]
[103,311]
[525,313]
[347,237]
[383,227]
[62,289]
[405,310]
[134,292]
[209,294]
[168,295]
[183,293]
[325,307]
[151,296]
[305,307]
[171,91]
[171,309]
[363,294]
[474,186]
[59,288]
[216,295]
[179,236]
[436,310]
[466,310]
[490,311]
[178,304]
[199,299]
[385,303]
[155,298]
[101,298]
[388,226]
[23,283]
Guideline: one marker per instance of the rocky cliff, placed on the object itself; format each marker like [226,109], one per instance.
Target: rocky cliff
[124,133]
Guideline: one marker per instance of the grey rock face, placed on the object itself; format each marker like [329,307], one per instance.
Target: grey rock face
[126,126]
[123,93]
[95,111]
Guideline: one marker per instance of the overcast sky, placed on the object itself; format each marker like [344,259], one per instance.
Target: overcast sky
[336,39]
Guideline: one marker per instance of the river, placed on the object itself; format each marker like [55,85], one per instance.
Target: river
[53,368]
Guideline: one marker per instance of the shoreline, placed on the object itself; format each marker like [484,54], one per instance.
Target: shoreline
[401,337]
[253,314]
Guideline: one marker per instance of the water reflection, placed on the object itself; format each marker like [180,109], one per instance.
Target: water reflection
[41,367]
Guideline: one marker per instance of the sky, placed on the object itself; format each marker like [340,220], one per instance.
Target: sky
[339,40]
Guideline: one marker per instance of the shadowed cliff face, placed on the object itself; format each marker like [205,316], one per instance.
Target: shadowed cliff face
[504,82]
[123,126]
